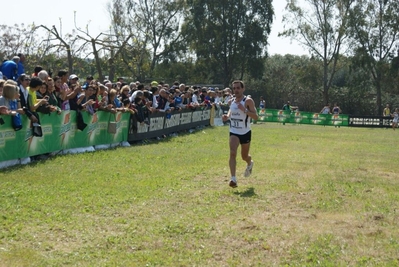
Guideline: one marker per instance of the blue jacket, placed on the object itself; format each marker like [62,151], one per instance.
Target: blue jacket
[10,69]
[21,69]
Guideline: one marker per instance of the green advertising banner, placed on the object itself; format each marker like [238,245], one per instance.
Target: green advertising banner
[61,132]
[302,117]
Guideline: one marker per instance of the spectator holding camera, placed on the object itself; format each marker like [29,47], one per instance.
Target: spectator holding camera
[35,85]
[87,102]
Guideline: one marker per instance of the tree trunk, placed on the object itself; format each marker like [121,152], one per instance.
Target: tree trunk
[97,59]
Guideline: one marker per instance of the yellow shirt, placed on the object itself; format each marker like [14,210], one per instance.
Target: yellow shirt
[386,112]
[32,99]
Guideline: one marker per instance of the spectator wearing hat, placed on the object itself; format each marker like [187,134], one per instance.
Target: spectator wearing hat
[65,92]
[154,84]
[108,84]
[73,79]
[9,68]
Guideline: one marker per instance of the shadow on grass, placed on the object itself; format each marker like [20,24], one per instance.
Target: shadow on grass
[249,192]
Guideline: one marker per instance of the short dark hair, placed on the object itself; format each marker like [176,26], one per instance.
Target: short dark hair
[62,73]
[38,69]
[240,82]
[35,82]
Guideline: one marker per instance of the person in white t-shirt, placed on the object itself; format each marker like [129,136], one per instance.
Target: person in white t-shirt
[242,109]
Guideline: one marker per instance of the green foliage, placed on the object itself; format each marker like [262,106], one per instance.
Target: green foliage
[229,36]
[374,27]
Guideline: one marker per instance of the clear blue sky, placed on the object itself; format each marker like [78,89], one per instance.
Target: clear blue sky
[46,12]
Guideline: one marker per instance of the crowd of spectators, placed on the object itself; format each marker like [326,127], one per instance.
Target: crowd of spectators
[38,93]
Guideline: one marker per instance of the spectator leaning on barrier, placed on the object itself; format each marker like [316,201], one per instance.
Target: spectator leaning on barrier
[114,104]
[139,87]
[65,92]
[148,98]
[336,109]
[287,106]
[10,98]
[4,110]
[386,112]
[88,102]
[162,100]
[33,103]
[24,81]
[262,103]
[195,97]
[155,94]
[187,98]
[53,100]
[102,97]
[139,108]
[43,93]
[75,102]
[124,93]
[326,109]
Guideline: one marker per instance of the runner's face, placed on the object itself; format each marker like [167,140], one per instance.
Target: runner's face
[238,91]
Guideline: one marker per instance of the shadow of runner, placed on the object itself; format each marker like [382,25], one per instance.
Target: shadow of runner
[249,192]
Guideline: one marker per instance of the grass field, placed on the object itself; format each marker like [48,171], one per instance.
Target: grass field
[318,196]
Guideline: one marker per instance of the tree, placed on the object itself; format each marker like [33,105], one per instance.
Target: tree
[153,23]
[375,27]
[64,43]
[16,39]
[229,37]
[322,29]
